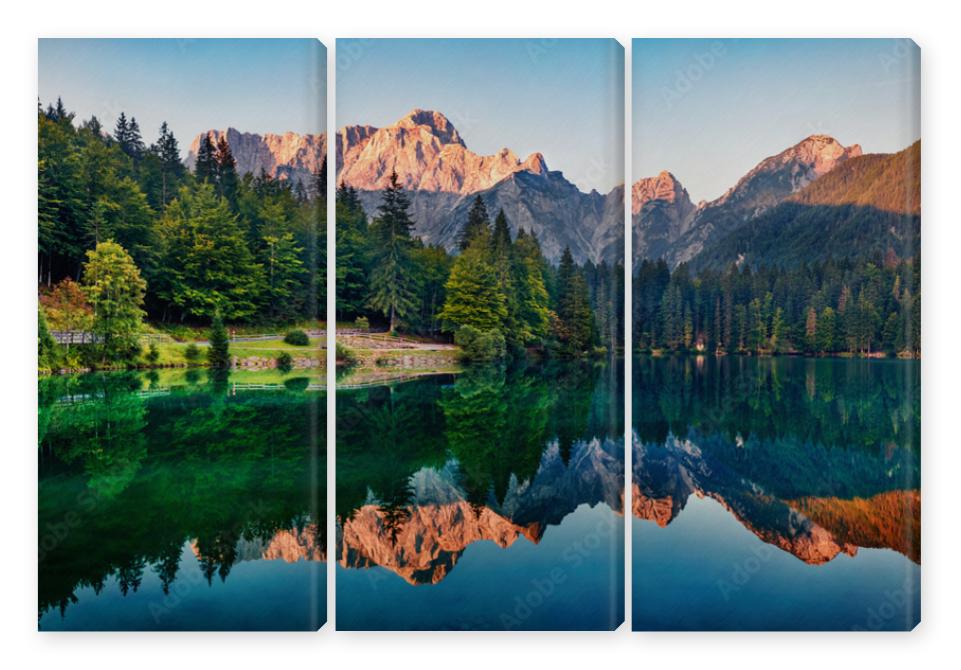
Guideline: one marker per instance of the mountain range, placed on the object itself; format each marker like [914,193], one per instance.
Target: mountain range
[814,200]
[440,523]
[443,177]
[288,156]
[815,528]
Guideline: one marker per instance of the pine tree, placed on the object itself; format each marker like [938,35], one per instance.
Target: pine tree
[392,286]
[205,167]
[218,353]
[826,331]
[134,146]
[477,221]
[574,310]
[171,169]
[352,257]
[226,171]
[501,253]
[320,181]
[531,294]
[121,133]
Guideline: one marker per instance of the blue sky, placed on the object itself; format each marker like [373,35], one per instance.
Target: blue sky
[709,110]
[257,85]
[562,97]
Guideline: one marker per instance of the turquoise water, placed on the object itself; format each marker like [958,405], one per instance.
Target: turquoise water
[486,501]
[776,494]
[179,502]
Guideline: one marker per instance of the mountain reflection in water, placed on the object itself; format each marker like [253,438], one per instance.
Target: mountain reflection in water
[428,469]
[818,458]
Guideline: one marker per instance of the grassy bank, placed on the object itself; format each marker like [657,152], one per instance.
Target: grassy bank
[366,358]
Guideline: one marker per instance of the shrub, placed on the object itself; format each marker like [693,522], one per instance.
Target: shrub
[285,362]
[345,355]
[153,354]
[297,383]
[362,323]
[480,345]
[47,348]
[218,354]
[192,353]
[297,338]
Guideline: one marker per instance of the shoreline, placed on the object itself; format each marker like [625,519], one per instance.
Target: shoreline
[875,355]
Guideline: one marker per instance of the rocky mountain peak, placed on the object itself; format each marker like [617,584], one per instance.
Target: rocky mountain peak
[282,156]
[667,225]
[779,176]
[438,125]
[664,186]
[427,153]
[535,163]
[821,152]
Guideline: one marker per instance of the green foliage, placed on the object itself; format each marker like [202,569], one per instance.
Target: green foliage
[192,353]
[115,291]
[48,353]
[478,222]
[496,282]
[573,327]
[65,307]
[298,338]
[869,208]
[390,432]
[392,284]
[208,265]
[345,355]
[831,307]
[189,460]
[531,299]
[353,252]
[251,246]
[285,362]
[474,297]
[218,353]
[153,354]
[480,345]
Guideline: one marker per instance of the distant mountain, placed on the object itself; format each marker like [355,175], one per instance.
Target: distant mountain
[427,153]
[443,177]
[670,229]
[662,212]
[287,156]
[867,207]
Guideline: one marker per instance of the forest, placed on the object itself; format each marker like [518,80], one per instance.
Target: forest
[860,307]
[497,295]
[211,240]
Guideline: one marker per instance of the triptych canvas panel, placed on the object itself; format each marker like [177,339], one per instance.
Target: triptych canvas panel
[483,314]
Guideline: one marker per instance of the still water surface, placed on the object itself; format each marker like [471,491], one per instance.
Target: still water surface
[487,500]
[776,494]
[176,501]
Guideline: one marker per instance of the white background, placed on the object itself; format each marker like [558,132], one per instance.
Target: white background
[933,27]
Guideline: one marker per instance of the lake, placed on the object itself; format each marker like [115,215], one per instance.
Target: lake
[487,500]
[776,494]
[181,500]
